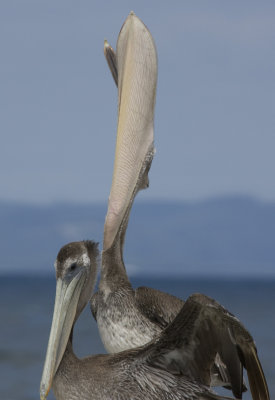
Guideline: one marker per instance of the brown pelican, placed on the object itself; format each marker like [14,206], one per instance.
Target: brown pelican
[128,318]
[176,365]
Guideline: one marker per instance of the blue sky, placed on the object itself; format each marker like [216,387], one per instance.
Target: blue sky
[214,124]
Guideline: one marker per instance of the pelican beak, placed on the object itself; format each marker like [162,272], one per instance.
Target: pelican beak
[66,301]
[136,63]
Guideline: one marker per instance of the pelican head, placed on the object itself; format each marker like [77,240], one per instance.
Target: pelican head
[76,270]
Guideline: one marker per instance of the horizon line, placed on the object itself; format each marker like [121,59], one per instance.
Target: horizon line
[161,200]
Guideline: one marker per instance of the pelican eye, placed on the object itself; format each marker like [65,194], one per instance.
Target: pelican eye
[73,267]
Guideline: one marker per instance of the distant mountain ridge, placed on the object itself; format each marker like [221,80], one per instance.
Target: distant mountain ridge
[222,236]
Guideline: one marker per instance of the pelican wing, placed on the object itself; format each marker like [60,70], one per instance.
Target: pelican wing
[159,307]
[136,62]
[202,329]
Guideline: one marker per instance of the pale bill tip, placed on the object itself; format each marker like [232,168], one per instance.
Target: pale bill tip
[43,392]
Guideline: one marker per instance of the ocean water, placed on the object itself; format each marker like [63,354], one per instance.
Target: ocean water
[26,306]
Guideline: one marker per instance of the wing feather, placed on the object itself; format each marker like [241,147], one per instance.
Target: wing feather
[202,329]
[159,307]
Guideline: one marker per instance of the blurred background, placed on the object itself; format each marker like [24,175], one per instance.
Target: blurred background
[207,222]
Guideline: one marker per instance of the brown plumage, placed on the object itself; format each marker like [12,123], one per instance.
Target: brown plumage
[176,365]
